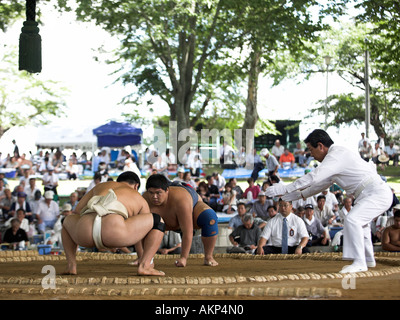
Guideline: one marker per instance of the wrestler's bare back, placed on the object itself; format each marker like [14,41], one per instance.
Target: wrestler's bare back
[130,198]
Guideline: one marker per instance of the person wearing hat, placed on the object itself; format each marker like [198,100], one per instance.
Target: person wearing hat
[358,178]
[55,238]
[179,177]
[48,211]
[315,228]
[392,153]
[260,206]
[271,164]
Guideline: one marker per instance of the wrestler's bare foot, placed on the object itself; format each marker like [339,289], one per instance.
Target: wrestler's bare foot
[137,262]
[70,271]
[149,272]
[210,262]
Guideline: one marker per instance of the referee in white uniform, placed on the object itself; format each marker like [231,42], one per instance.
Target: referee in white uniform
[358,178]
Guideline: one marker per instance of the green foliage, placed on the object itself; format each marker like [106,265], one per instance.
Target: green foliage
[25,98]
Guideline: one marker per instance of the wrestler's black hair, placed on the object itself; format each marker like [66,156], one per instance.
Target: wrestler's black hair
[158,181]
[130,177]
[319,135]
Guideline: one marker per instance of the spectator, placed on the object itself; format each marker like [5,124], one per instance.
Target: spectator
[272,163]
[277,149]
[161,166]
[96,180]
[50,180]
[16,234]
[272,212]
[73,200]
[330,200]
[44,164]
[179,175]
[23,204]
[6,202]
[55,238]
[35,203]
[102,170]
[16,149]
[30,189]
[391,235]
[365,151]
[285,233]
[315,228]
[260,206]
[57,161]
[48,212]
[245,237]
[265,185]
[344,211]
[237,221]
[20,215]
[362,140]
[197,165]
[241,158]
[187,179]
[287,159]
[226,154]
[256,163]
[202,190]
[171,243]
[229,200]
[104,157]
[378,225]
[214,193]
[375,153]
[301,211]
[236,187]
[300,155]
[219,181]
[393,153]
[170,159]
[303,202]
[72,170]
[323,213]
[252,191]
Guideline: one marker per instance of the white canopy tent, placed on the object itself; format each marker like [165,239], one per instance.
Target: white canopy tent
[62,137]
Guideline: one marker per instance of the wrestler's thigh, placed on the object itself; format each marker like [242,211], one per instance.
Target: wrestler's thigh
[119,232]
[197,210]
[80,229]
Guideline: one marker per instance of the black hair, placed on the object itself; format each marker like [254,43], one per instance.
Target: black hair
[130,177]
[157,181]
[319,135]
[321,196]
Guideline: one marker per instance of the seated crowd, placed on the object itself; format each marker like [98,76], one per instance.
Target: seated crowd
[257,222]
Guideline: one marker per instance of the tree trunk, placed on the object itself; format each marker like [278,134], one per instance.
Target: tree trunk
[251,114]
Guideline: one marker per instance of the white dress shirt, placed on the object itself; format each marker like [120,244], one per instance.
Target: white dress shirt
[273,230]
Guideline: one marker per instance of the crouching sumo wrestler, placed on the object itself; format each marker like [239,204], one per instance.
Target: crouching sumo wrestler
[114,215]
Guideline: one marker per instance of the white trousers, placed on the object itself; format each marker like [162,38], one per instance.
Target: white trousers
[372,202]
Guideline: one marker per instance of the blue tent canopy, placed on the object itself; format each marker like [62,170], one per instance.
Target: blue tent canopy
[117,134]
